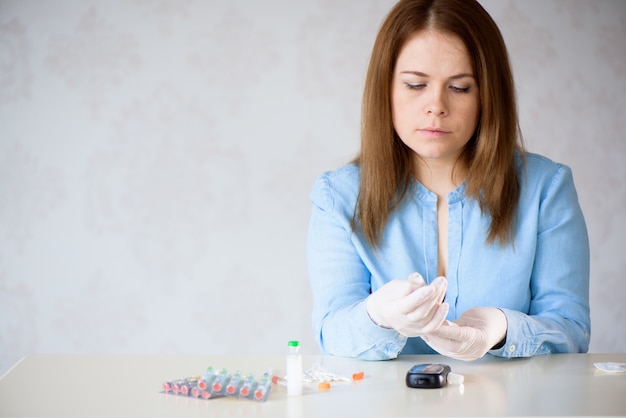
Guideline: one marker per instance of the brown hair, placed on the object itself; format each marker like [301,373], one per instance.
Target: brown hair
[386,163]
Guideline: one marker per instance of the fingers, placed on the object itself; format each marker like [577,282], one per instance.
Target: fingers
[450,331]
[442,283]
[442,345]
[449,348]
[422,300]
[448,337]
[390,301]
[434,319]
[409,306]
[422,296]
[401,288]
[417,279]
[423,308]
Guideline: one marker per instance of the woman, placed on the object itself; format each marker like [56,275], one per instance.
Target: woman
[444,235]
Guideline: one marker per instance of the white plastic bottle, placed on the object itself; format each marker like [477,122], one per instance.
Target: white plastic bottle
[294,369]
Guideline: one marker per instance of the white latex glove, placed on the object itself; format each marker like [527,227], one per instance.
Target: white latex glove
[471,336]
[409,306]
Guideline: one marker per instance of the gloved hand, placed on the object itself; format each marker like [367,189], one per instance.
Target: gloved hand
[471,336]
[409,306]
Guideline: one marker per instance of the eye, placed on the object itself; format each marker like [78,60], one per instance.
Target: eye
[459,89]
[415,86]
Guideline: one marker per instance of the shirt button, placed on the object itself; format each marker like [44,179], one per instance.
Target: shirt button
[511,348]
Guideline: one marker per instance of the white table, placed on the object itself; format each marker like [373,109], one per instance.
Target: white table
[49,385]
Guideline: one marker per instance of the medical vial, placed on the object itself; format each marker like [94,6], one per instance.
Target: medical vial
[294,369]
[263,388]
[247,387]
[207,379]
[220,382]
[235,382]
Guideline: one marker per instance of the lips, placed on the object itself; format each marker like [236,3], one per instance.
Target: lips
[434,132]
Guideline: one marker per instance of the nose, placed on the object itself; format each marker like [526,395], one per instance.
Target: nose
[436,104]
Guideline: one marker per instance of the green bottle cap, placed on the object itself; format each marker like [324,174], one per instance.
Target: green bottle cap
[293,343]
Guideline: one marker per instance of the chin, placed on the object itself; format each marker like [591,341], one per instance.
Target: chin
[438,155]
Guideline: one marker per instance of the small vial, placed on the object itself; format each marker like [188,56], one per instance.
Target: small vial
[206,380]
[247,388]
[167,386]
[263,388]
[177,386]
[294,369]
[183,386]
[235,382]
[279,381]
[220,382]
[185,389]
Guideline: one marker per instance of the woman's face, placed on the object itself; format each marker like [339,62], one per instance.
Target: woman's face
[435,98]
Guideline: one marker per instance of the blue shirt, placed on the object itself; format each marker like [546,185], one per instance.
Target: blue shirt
[541,282]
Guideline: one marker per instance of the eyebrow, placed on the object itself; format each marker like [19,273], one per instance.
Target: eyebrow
[454,77]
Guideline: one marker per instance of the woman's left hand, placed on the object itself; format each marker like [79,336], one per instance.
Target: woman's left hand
[468,338]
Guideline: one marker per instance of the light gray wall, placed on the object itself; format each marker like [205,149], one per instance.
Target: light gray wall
[156,157]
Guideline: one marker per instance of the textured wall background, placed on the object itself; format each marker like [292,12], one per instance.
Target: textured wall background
[156,157]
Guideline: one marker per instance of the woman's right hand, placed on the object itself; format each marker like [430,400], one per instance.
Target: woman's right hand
[410,306]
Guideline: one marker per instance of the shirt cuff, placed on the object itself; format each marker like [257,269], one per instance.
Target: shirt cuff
[380,343]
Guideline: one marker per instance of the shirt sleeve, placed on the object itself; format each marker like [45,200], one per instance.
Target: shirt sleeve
[558,320]
[340,283]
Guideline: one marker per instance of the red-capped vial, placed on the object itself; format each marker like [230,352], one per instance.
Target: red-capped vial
[207,379]
[262,390]
[260,394]
[247,388]
[235,382]
[185,389]
[220,382]
[181,386]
